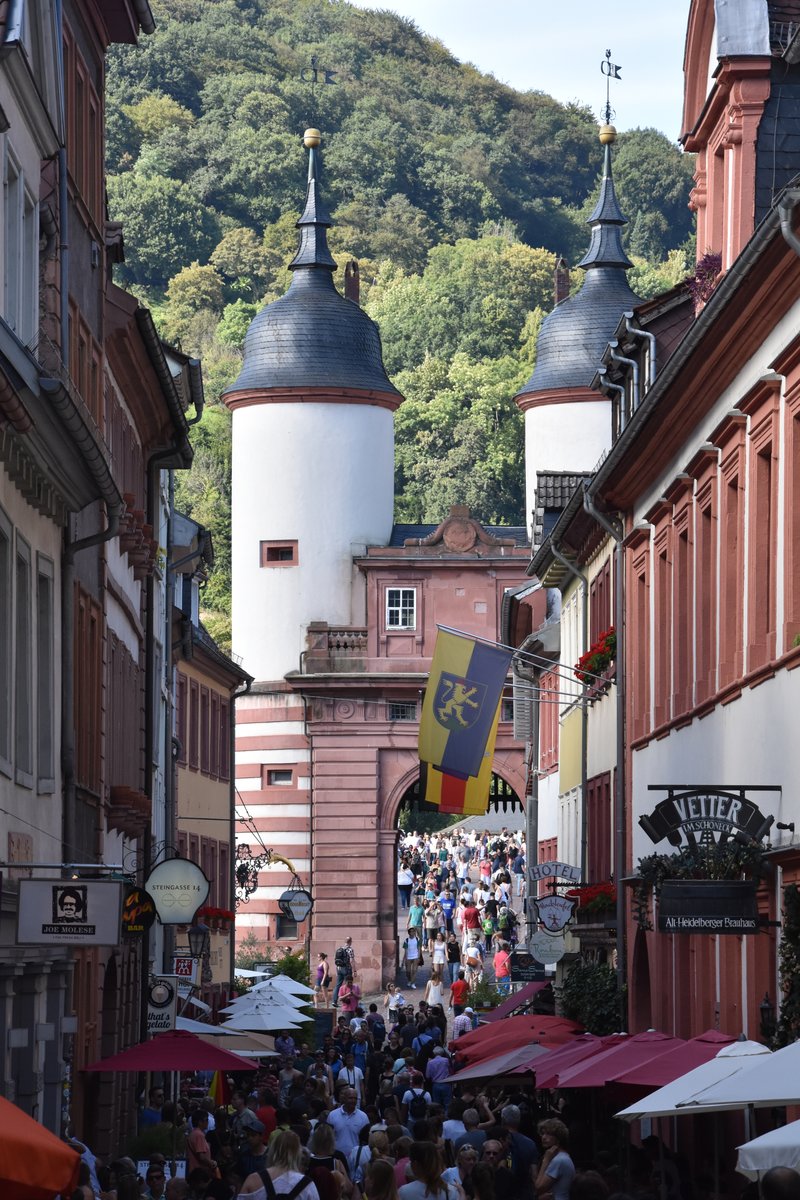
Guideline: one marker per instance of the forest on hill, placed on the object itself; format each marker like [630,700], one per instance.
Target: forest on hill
[454,192]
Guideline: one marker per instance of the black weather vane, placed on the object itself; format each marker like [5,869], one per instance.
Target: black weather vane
[611,71]
[316,74]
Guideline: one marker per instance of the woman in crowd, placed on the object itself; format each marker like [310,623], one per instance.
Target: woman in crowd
[556,1170]
[461,1173]
[426,1167]
[283,1172]
[322,987]
[379,1181]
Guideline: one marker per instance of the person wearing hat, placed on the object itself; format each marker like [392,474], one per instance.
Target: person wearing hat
[463,1022]
[254,1156]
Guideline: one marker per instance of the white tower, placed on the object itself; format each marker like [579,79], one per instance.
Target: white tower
[567,425]
[313,455]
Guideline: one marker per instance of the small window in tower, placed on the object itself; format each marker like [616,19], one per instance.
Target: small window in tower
[507,710]
[279,777]
[401,710]
[401,608]
[285,927]
[278,554]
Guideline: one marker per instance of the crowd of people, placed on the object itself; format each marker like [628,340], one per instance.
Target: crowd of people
[462,896]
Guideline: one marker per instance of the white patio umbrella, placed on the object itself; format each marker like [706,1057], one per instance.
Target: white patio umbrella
[772,1082]
[286,984]
[670,1100]
[251,1003]
[778,1148]
[264,1022]
[200,1027]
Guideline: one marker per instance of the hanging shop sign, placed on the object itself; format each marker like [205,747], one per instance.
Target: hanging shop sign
[547,948]
[138,912]
[525,969]
[726,906]
[66,912]
[553,871]
[555,912]
[178,888]
[295,903]
[162,1004]
[700,813]
[186,969]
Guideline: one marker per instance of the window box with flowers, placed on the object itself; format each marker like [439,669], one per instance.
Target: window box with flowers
[595,668]
[218,920]
[595,900]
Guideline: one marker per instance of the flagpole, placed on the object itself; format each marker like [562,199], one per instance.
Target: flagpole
[536,660]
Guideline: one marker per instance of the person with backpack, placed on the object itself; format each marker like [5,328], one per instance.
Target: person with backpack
[342,960]
[415,1101]
[283,1176]
[376,1026]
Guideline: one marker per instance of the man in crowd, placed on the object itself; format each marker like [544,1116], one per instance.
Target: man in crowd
[347,1121]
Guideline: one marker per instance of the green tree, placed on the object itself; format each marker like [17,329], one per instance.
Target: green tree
[154,113]
[244,262]
[235,322]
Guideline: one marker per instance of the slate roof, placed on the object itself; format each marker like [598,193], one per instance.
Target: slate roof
[313,337]
[554,490]
[400,532]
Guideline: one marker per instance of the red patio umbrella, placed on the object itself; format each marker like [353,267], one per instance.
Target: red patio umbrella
[657,1072]
[514,1031]
[34,1163]
[177,1050]
[609,1064]
[581,1047]
[523,996]
[500,1064]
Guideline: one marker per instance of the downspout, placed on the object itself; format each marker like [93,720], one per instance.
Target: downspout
[615,530]
[786,210]
[63,195]
[608,385]
[633,364]
[635,331]
[232,835]
[584,582]
[532,798]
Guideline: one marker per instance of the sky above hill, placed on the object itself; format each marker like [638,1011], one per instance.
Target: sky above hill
[558,47]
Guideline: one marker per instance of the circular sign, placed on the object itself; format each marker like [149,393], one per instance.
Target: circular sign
[138,912]
[547,949]
[178,888]
[162,993]
[295,903]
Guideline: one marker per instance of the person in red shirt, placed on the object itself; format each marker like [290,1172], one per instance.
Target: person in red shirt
[266,1112]
[470,917]
[502,968]
[459,993]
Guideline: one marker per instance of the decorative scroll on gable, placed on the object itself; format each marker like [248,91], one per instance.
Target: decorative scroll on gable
[459,533]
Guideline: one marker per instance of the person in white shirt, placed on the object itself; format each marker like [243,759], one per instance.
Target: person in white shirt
[351,1076]
[347,1121]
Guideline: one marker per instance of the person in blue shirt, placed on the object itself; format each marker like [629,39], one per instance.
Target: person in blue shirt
[447,905]
[415,915]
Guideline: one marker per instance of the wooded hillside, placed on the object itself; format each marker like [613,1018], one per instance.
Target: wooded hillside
[454,191]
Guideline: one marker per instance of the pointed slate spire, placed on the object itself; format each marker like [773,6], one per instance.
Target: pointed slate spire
[313,249]
[605,248]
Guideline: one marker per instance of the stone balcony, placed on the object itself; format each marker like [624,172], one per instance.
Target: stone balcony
[335,648]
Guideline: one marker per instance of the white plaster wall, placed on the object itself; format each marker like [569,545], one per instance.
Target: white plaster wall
[750,742]
[322,474]
[564,437]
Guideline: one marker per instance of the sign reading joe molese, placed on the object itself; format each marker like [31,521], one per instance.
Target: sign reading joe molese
[69,912]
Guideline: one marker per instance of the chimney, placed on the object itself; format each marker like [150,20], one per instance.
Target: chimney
[352,288]
[561,280]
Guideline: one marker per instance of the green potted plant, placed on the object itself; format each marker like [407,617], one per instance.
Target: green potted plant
[485,996]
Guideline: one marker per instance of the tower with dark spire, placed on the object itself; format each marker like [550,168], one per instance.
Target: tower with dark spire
[313,453]
[567,425]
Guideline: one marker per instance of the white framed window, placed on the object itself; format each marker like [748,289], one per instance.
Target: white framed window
[401,608]
[45,677]
[23,684]
[6,661]
[21,282]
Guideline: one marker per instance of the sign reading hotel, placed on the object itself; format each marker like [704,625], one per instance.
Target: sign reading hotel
[702,814]
[553,871]
[55,912]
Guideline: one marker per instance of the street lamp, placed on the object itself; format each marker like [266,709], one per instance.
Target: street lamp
[199,940]
[767,1010]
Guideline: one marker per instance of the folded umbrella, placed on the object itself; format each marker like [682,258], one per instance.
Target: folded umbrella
[656,1072]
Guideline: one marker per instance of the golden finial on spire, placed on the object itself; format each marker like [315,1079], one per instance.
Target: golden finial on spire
[312,139]
[607,135]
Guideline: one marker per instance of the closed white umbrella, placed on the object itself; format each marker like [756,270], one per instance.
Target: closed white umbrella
[250,1003]
[265,1021]
[285,984]
[669,1101]
[779,1148]
[772,1082]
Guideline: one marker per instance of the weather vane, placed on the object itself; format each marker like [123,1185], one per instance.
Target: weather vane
[314,75]
[611,71]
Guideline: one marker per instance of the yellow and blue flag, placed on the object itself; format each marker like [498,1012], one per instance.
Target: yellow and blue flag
[464,690]
[467,797]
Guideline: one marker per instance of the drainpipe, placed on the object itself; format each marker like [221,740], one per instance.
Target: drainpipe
[232,835]
[68,669]
[615,530]
[635,331]
[607,385]
[531,674]
[584,582]
[633,364]
[786,210]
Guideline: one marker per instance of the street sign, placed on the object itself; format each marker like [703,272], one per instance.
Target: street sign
[546,948]
[524,968]
[554,870]
[726,906]
[69,912]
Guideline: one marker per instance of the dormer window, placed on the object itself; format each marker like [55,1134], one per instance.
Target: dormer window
[401,608]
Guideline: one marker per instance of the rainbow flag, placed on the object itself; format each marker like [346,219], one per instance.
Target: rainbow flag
[467,797]
[218,1090]
[464,690]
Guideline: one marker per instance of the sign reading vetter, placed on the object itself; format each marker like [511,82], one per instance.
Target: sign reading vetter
[708,906]
[699,814]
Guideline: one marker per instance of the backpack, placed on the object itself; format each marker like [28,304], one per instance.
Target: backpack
[269,1187]
[502,921]
[341,958]
[488,925]
[418,1106]
[378,1031]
